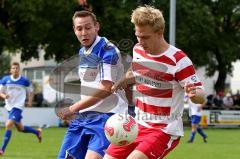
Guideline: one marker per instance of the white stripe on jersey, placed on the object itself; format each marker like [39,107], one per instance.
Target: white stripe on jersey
[154,100]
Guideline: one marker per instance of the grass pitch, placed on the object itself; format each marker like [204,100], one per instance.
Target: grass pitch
[222,144]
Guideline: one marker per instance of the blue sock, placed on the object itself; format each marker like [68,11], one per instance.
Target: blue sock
[201,132]
[28,129]
[192,136]
[6,139]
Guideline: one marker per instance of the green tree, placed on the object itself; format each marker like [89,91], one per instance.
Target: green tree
[4,64]
[29,25]
[210,32]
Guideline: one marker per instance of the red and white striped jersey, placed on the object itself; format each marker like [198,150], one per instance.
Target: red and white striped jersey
[160,88]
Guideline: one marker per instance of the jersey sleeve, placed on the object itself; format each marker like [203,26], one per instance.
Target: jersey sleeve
[109,65]
[28,85]
[2,85]
[186,73]
[30,88]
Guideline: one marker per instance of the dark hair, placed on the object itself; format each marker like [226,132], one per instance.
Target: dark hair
[85,13]
[16,64]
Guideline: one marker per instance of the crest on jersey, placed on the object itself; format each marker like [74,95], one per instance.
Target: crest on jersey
[194,78]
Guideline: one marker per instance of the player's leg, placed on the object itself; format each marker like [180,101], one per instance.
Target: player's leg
[75,143]
[7,135]
[202,133]
[149,144]
[98,142]
[28,129]
[153,143]
[25,129]
[92,155]
[106,156]
[136,154]
[193,133]
[194,120]
[119,152]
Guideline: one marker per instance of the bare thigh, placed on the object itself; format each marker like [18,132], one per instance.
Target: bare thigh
[92,155]
[137,155]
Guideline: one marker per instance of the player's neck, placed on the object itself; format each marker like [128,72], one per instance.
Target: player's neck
[15,76]
[161,48]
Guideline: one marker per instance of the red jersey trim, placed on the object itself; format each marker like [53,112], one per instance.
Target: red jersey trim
[162,59]
[179,55]
[185,73]
[153,92]
[148,72]
[152,109]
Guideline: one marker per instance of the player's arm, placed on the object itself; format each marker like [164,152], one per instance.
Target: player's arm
[2,92]
[4,96]
[128,79]
[30,99]
[30,94]
[102,92]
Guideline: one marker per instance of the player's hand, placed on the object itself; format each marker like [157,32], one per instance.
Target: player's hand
[66,114]
[29,103]
[190,89]
[122,84]
[6,96]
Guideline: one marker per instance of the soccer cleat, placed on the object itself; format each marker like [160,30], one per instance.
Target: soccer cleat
[39,136]
[190,142]
[205,139]
[1,152]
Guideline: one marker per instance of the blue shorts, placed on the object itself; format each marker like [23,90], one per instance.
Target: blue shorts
[85,133]
[195,119]
[15,114]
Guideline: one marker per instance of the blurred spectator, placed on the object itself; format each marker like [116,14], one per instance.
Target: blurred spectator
[218,101]
[38,99]
[228,102]
[210,101]
[236,100]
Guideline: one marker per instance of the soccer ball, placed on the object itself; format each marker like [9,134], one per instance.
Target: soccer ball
[121,129]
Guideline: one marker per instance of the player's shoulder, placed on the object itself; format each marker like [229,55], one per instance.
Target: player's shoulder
[5,79]
[24,80]
[177,55]
[108,46]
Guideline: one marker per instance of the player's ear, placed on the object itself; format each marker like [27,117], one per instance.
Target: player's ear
[160,32]
[73,28]
[97,26]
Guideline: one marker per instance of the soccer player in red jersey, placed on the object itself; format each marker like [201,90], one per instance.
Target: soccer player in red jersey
[162,75]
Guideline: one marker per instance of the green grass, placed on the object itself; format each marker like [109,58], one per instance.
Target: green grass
[222,144]
[26,146]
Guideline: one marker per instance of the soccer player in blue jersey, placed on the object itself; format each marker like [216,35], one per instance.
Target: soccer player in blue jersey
[14,89]
[99,68]
[195,111]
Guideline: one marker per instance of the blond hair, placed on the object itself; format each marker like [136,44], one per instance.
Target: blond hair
[148,15]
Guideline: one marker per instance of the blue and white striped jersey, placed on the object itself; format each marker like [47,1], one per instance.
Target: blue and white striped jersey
[16,89]
[102,61]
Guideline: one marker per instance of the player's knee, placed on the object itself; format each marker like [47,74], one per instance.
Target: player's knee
[92,155]
[106,156]
[137,155]
[9,125]
[19,129]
